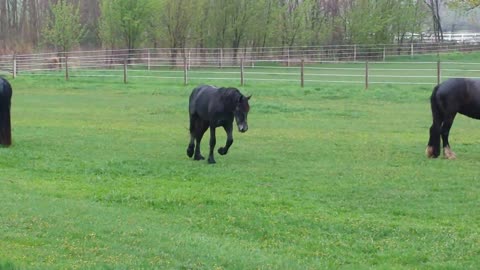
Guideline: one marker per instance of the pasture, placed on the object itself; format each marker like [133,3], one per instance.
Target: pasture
[328,176]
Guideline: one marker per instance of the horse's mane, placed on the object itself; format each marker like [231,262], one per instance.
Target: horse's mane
[230,95]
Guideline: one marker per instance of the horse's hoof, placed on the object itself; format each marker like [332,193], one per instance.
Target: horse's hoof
[211,161]
[448,153]
[198,157]
[222,151]
[429,152]
[190,152]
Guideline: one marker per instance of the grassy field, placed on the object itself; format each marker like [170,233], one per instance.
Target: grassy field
[327,177]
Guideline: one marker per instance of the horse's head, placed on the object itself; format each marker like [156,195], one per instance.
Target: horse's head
[241,112]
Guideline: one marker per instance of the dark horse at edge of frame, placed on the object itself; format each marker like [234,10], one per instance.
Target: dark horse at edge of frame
[212,107]
[458,95]
[5,102]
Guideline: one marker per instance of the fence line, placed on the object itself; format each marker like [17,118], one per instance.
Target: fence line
[223,57]
[299,65]
[351,73]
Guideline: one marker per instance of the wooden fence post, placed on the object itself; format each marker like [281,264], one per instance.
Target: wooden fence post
[125,70]
[220,58]
[355,52]
[302,68]
[438,72]
[14,68]
[148,59]
[241,72]
[185,70]
[366,74]
[411,50]
[66,66]
[288,57]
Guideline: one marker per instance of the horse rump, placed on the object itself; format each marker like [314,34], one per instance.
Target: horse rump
[5,102]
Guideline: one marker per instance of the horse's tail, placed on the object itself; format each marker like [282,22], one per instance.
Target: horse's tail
[434,102]
[433,149]
[5,125]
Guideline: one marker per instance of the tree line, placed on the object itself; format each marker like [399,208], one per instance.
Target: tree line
[28,25]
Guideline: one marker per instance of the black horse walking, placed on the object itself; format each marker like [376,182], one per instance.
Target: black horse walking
[459,95]
[212,107]
[5,102]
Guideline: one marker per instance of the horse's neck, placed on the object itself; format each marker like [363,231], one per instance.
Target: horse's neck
[230,99]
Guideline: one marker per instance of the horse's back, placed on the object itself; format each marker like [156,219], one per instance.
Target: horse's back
[200,98]
[5,88]
[451,85]
[200,90]
[459,95]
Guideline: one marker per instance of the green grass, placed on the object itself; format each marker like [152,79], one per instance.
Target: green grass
[327,177]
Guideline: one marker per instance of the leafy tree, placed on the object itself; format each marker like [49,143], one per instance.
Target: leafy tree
[240,18]
[200,28]
[108,28]
[64,30]
[410,20]
[154,27]
[124,22]
[291,21]
[219,22]
[370,21]
[177,18]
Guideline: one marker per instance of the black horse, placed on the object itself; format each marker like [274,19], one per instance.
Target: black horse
[459,95]
[212,107]
[5,101]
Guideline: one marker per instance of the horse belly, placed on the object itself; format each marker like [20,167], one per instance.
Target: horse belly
[471,111]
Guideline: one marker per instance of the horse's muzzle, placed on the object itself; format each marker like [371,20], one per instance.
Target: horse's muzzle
[243,128]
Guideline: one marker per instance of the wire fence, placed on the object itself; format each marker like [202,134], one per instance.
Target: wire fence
[351,64]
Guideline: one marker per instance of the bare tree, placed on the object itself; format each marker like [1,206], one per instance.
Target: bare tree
[434,6]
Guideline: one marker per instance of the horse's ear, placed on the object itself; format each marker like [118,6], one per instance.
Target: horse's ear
[248,98]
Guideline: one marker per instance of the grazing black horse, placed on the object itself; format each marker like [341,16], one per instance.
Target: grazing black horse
[459,95]
[5,101]
[212,107]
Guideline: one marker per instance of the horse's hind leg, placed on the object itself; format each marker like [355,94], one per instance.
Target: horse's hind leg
[200,128]
[5,124]
[191,144]
[445,131]
[5,128]
[433,147]
[213,141]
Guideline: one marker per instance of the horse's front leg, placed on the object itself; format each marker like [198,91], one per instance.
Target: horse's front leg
[433,147]
[447,151]
[213,141]
[228,130]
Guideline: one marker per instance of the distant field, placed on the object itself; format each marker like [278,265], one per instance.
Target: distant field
[329,176]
